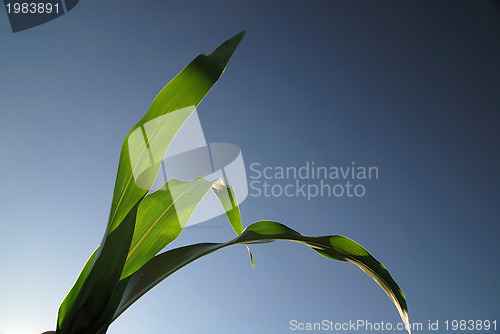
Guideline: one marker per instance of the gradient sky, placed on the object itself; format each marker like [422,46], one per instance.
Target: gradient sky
[412,87]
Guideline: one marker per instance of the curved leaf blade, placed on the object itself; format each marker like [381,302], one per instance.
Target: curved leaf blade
[227,198]
[140,157]
[161,217]
[334,247]
[159,268]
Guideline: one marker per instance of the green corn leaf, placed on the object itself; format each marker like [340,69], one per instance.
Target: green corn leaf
[227,198]
[161,217]
[334,247]
[100,282]
[71,296]
[142,152]
[146,144]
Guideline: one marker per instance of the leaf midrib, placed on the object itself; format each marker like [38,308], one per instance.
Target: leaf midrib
[138,159]
[141,240]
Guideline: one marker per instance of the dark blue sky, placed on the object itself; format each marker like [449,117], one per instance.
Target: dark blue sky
[411,87]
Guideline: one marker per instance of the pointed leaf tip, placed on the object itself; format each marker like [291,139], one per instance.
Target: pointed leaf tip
[231,43]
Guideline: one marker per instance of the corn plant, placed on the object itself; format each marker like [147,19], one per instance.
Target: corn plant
[127,263]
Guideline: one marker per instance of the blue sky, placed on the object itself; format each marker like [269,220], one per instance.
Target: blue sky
[409,87]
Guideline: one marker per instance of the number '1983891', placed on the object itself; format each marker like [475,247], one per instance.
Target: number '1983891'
[32,8]
[472,325]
